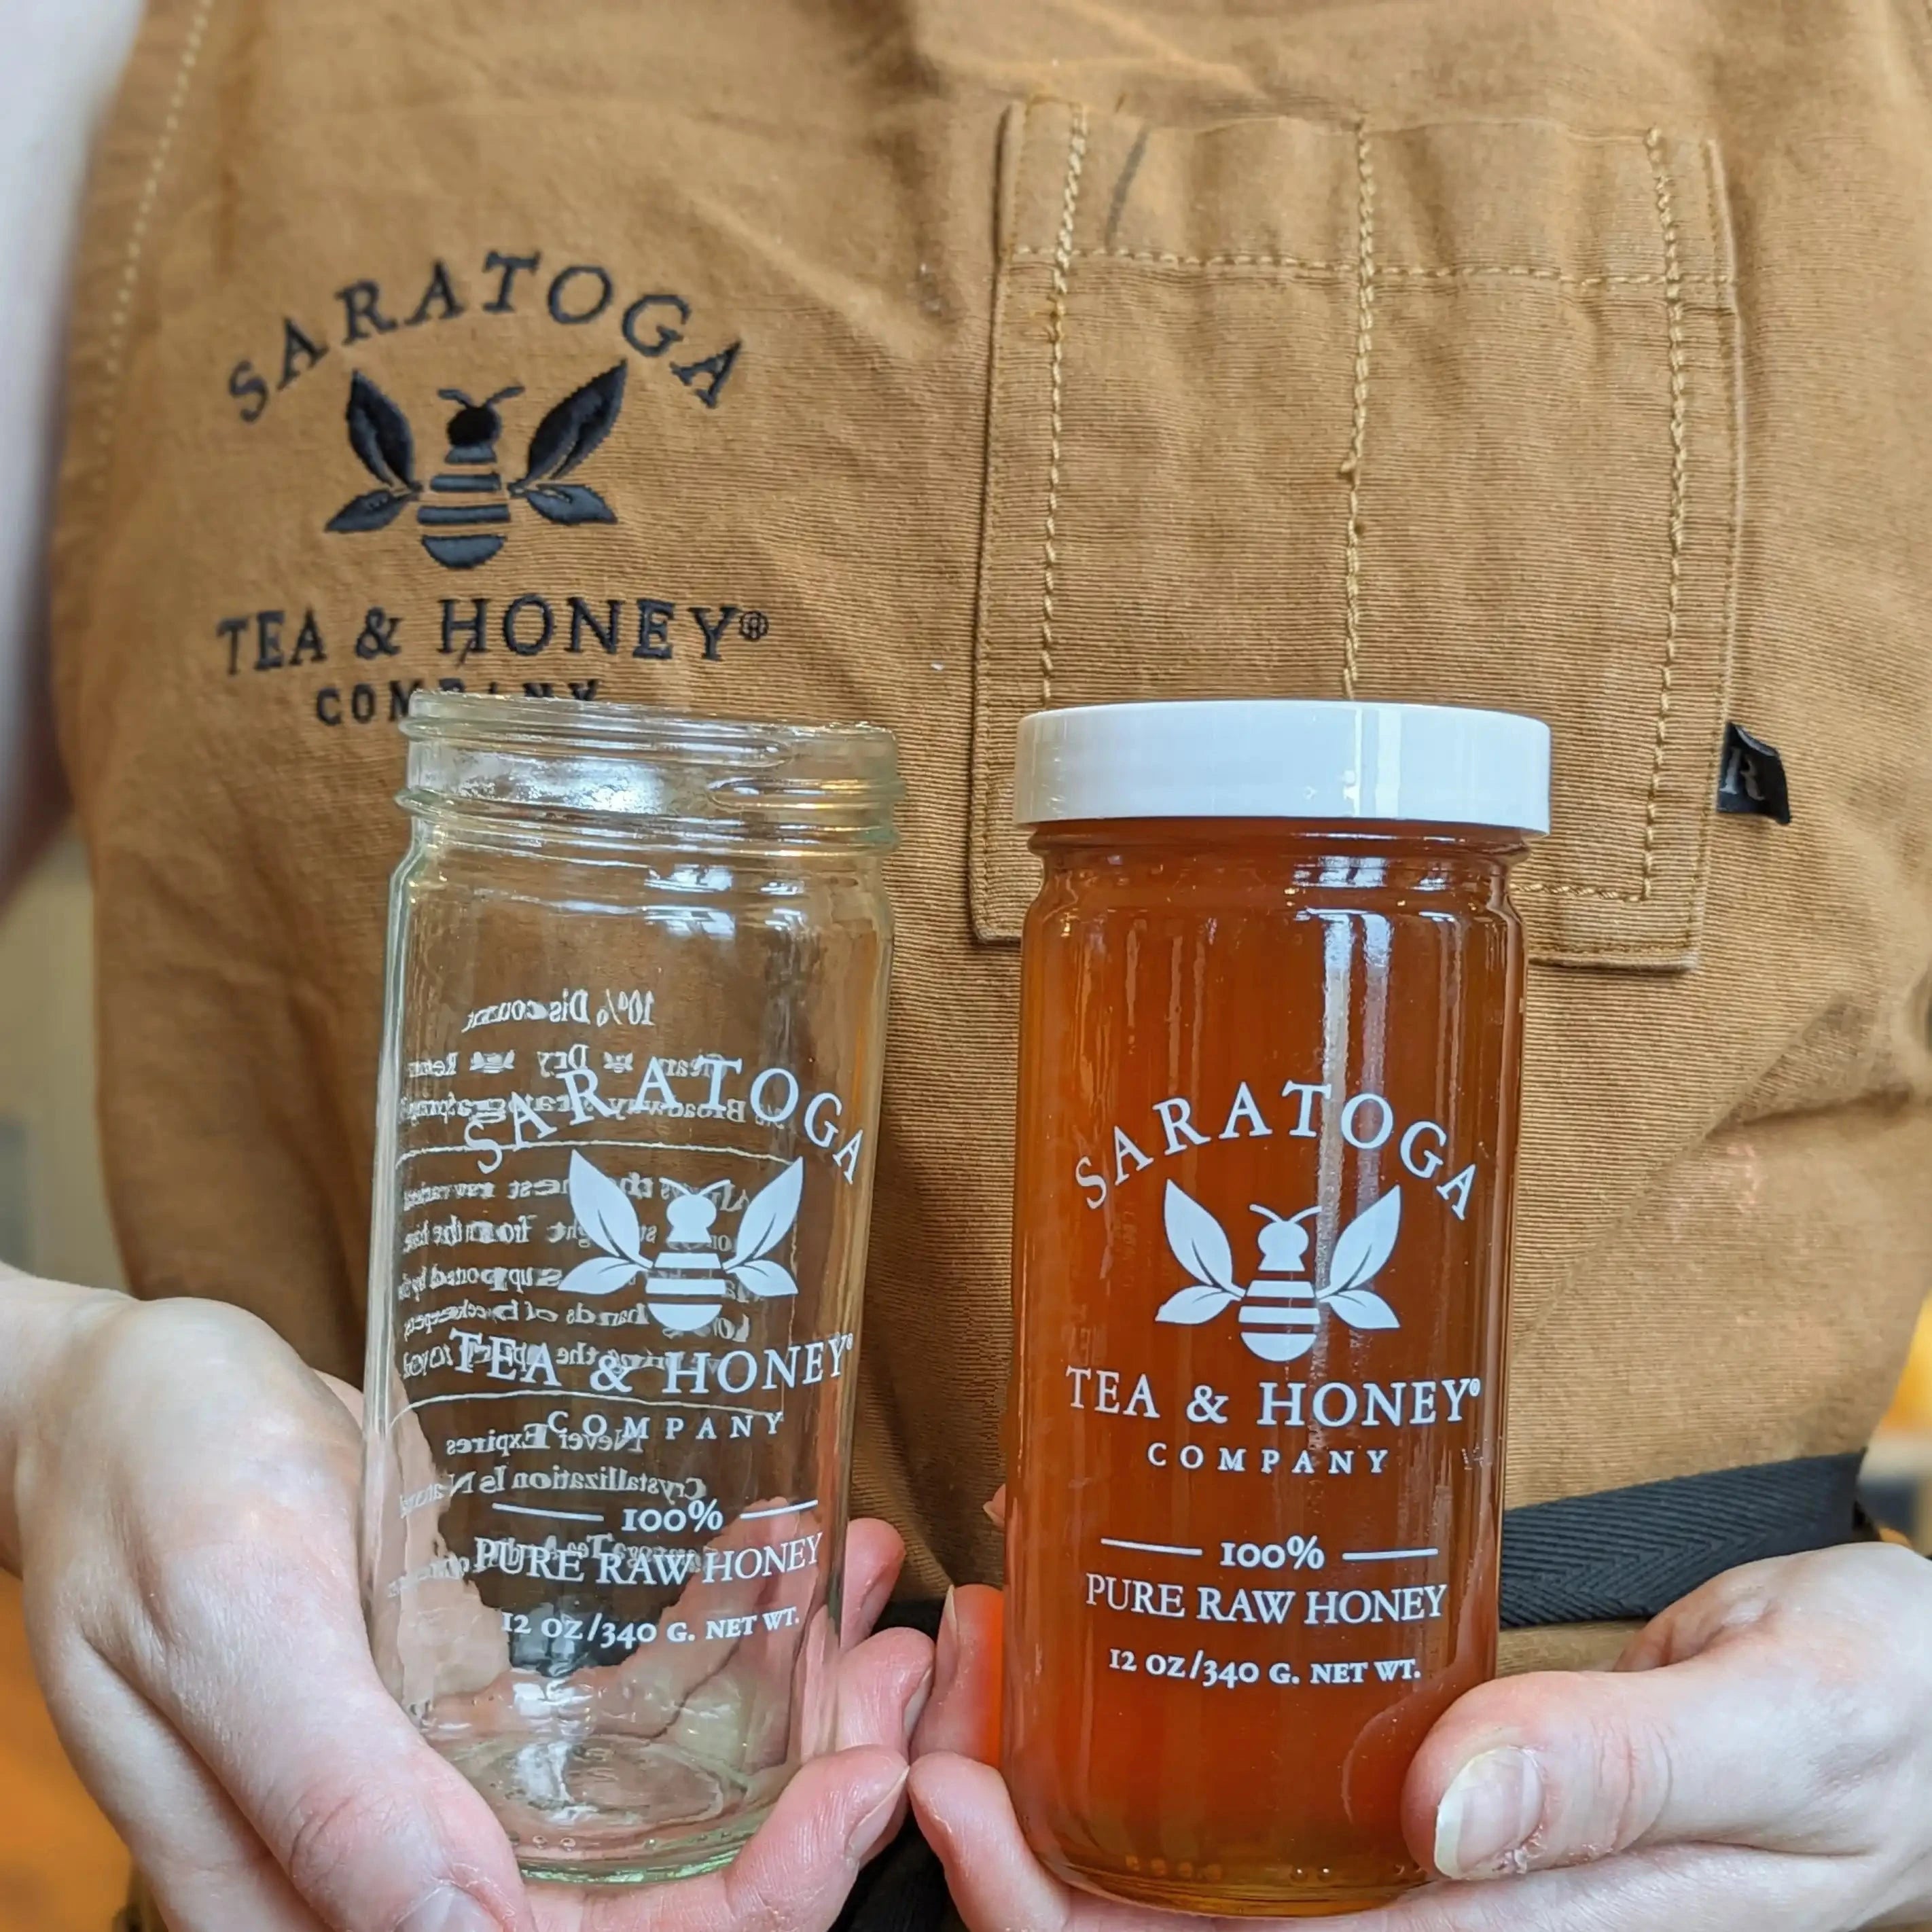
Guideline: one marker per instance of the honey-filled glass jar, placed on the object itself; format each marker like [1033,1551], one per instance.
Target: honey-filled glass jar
[1270,1031]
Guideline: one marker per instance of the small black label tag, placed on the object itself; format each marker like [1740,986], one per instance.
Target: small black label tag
[1752,778]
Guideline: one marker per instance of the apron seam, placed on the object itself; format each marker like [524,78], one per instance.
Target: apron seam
[1384,270]
[1062,260]
[1680,489]
[1358,427]
[114,346]
[1677,528]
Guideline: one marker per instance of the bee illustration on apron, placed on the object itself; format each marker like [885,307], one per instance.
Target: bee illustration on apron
[463,511]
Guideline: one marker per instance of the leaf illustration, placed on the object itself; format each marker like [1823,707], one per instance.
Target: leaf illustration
[379,433]
[1364,1245]
[1363,1308]
[603,1211]
[1198,1244]
[370,512]
[1196,1302]
[602,1274]
[763,1278]
[567,503]
[769,1215]
[576,426]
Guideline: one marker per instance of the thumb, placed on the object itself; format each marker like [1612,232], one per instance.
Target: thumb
[1530,1772]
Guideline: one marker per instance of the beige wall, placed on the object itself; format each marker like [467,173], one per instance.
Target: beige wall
[53,1218]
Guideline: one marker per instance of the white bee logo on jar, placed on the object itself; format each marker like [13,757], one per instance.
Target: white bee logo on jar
[685,1285]
[1281,1309]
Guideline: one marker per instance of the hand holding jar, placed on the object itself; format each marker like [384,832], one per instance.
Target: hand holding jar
[1255,1478]
[1762,1758]
[179,1491]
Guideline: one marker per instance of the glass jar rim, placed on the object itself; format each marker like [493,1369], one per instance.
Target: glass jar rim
[631,768]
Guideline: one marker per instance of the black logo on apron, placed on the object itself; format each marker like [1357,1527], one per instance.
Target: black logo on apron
[464,510]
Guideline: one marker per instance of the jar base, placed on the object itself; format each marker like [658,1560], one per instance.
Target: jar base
[613,1810]
[688,1861]
[1285,1898]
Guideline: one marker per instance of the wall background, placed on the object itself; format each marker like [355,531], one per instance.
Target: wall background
[61,1868]
[53,1216]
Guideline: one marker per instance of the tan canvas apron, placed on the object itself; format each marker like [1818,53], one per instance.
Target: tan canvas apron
[987,354]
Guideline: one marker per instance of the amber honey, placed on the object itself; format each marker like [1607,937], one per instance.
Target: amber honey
[1268,1098]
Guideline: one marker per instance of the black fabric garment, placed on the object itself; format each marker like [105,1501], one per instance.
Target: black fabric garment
[904,1889]
[1624,1555]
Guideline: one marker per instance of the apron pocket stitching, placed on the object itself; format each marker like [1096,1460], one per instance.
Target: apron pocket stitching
[1680,481]
[1660,318]
[1358,429]
[1672,279]
[1063,259]
[1165,258]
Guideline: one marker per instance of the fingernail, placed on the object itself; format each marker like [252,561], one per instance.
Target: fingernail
[1488,1815]
[872,1830]
[448,1910]
[915,1705]
[870,1607]
[946,1649]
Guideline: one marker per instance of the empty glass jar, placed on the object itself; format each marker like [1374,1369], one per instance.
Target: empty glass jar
[634,1037]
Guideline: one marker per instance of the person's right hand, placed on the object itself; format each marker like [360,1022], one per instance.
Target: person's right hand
[186,1498]
[1761,1758]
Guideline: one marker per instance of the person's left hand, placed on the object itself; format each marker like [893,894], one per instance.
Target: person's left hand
[1760,1759]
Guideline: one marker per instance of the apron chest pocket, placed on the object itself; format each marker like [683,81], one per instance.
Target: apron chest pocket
[1447,413]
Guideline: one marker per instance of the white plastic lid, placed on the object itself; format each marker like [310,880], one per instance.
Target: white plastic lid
[1285,758]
